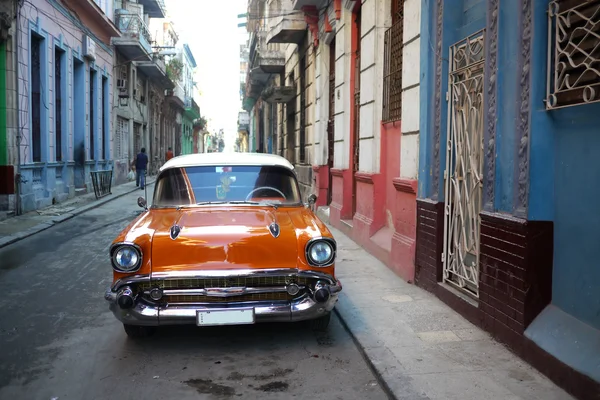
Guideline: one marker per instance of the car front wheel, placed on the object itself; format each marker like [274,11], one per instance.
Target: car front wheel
[321,323]
[135,331]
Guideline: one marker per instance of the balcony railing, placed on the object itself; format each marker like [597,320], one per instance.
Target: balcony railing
[133,26]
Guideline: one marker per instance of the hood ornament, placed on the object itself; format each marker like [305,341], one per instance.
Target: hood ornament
[274,229]
[175,231]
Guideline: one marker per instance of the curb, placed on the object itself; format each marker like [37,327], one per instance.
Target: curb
[62,218]
[377,373]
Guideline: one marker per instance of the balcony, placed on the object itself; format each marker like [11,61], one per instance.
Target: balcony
[278,94]
[101,15]
[288,27]
[135,39]
[177,95]
[156,71]
[268,57]
[154,8]
[264,60]
[300,4]
[243,122]
[192,110]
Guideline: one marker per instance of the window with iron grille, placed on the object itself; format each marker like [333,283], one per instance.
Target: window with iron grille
[392,67]
[574,53]
[303,108]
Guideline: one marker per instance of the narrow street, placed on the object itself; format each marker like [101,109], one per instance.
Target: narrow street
[59,340]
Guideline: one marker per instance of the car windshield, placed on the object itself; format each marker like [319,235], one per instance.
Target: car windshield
[204,185]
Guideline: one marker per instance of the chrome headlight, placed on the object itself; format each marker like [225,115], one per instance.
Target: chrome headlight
[320,252]
[126,257]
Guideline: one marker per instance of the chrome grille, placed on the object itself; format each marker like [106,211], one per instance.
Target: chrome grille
[228,282]
[203,283]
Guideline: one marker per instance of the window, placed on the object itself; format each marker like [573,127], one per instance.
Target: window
[574,58]
[392,67]
[92,114]
[59,59]
[36,47]
[191,185]
[303,108]
[121,138]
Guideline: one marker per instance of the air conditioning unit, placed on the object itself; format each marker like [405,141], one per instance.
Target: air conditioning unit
[89,48]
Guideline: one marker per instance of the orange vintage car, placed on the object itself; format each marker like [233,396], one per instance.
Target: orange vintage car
[226,241]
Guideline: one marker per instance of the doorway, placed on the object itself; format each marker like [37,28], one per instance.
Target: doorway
[79,116]
[464,165]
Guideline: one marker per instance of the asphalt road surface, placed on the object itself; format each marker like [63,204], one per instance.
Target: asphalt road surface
[58,339]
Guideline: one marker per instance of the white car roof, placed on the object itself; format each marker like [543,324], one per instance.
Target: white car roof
[226,159]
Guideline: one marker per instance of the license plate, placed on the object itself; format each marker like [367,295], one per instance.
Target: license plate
[238,316]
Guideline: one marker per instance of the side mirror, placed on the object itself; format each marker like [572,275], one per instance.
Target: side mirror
[312,199]
[141,202]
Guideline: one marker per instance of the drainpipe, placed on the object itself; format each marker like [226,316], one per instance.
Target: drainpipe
[18,178]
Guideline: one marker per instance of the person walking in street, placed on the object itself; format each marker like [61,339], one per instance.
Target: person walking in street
[141,164]
[169,154]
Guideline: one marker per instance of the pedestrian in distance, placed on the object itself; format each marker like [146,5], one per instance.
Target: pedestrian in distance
[141,164]
[169,154]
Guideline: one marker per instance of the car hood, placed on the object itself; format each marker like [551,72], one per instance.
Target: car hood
[224,239]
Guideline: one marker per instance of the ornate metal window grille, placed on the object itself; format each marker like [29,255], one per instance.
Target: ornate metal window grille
[573,53]
[464,164]
[36,97]
[58,59]
[392,67]
[303,109]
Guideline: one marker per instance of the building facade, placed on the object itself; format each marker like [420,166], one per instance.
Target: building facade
[65,74]
[140,86]
[8,112]
[334,107]
[95,87]
[192,111]
[506,222]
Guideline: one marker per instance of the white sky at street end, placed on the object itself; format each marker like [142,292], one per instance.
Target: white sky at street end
[210,28]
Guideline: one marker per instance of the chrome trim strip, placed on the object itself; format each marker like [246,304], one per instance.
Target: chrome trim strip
[333,244]
[241,273]
[224,273]
[222,292]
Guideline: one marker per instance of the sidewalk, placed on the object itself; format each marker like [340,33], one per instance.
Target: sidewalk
[18,228]
[419,347]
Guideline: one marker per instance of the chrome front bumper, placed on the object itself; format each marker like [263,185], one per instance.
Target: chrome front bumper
[148,314]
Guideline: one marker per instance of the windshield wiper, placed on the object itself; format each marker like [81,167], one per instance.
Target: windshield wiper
[202,203]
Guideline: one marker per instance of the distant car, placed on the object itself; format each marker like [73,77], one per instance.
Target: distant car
[227,241]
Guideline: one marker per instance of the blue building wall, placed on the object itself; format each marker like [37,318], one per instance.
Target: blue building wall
[508,92]
[461,18]
[563,170]
[564,183]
